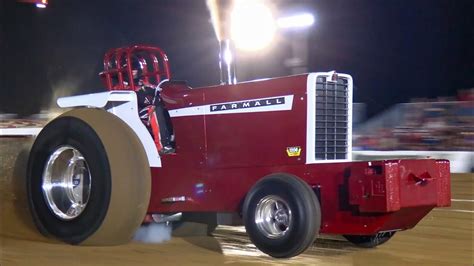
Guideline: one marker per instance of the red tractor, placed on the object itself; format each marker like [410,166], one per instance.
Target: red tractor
[275,153]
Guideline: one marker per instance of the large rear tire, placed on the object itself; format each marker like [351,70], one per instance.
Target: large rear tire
[282,215]
[88,179]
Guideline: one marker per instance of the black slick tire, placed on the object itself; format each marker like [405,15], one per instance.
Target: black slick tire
[120,178]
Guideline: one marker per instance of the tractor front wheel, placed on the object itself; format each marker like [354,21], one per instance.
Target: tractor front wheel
[282,215]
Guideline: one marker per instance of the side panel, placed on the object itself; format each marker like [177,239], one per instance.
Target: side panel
[122,104]
[226,190]
[223,134]
[182,171]
[241,134]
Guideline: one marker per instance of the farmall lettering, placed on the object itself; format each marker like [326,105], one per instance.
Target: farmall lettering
[247,104]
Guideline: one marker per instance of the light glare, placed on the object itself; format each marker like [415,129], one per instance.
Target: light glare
[252,25]
[40,5]
[228,56]
[296,21]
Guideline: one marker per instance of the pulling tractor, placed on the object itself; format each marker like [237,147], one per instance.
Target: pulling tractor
[274,153]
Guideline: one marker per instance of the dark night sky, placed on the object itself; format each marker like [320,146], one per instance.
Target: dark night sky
[395,50]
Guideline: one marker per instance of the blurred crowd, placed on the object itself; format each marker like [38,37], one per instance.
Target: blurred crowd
[443,125]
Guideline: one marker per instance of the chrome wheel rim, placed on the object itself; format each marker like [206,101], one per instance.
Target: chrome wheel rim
[66,183]
[273,217]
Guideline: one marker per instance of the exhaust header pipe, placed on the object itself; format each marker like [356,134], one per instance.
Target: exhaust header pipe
[227,62]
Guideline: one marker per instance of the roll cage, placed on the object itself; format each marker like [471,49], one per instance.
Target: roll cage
[151,64]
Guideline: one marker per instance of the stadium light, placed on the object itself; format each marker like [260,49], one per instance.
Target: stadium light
[252,25]
[38,3]
[296,21]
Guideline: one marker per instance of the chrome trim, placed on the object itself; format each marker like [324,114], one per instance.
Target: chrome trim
[273,217]
[66,183]
[173,199]
[327,126]
[227,62]
[332,118]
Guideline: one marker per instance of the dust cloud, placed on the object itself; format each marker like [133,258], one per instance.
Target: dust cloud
[153,233]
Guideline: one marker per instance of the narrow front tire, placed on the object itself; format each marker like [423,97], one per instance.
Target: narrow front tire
[282,215]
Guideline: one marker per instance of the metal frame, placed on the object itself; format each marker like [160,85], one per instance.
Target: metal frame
[115,59]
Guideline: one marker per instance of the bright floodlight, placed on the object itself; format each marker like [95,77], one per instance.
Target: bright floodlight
[40,5]
[252,25]
[296,21]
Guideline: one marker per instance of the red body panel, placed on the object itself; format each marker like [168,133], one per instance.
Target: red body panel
[220,157]
[399,203]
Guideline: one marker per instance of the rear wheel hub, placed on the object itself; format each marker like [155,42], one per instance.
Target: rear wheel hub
[66,183]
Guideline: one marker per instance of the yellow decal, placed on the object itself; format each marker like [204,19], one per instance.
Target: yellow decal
[293,151]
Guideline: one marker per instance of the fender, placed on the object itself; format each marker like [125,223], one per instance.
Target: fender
[124,105]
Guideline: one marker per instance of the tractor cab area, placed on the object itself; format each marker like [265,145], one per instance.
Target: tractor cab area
[124,66]
[142,69]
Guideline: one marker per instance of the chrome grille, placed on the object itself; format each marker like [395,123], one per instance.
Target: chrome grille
[332,118]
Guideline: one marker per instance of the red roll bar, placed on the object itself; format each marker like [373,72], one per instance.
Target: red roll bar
[150,62]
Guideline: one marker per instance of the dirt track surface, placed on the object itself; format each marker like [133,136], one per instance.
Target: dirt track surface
[444,237]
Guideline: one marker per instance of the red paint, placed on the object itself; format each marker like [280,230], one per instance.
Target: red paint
[117,74]
[398,207]
[228,153]
[220,157]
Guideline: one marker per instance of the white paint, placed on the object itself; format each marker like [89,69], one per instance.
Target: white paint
[462,200]
[205,109]
[98,100]
[454,210]
[124,105]
[311,117]
[25,131]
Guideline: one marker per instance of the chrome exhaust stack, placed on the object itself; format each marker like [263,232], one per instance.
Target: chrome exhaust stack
[227,62]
